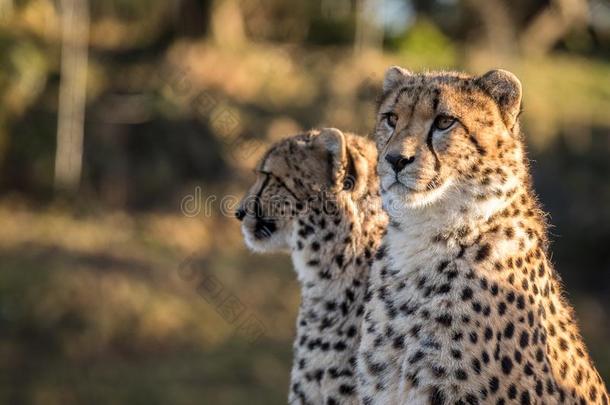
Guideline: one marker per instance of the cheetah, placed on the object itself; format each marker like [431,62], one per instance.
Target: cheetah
[317,196]
[464,305]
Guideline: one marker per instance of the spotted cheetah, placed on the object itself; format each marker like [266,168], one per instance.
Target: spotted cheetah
[464,305]
[317,197]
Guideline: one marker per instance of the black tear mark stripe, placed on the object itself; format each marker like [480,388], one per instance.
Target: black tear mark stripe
[265,183]
[435,102]
[437,162]
[257,201]
[403,90]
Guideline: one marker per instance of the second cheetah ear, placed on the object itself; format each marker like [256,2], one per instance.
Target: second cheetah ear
[333,143]
[393,76]
[505,89]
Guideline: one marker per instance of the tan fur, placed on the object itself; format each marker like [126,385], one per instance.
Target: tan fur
[317,197]
[465,306]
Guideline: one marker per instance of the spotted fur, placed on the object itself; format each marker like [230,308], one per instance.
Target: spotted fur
[464,305]
[317,197]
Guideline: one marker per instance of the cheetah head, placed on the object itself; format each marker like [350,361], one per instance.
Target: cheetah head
[442,133]
[308,174]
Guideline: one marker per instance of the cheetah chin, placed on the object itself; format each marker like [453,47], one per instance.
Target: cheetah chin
[398,197]
[263,240]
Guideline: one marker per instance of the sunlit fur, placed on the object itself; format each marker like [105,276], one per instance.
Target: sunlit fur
[465,306]
[332,223]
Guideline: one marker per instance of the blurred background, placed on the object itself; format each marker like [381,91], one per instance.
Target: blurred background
[128,131]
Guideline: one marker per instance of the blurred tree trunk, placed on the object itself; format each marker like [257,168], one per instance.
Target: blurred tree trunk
[72,94]
[7,9]
[548,27]
[192,17]
[498,26]
[552,24]
[227,23]
[369,36]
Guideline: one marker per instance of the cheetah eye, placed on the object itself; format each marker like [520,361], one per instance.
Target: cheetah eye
[443,122]
[348,183]
[391,119]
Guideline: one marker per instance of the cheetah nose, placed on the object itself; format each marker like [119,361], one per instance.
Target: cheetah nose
[398,162]
[240,214]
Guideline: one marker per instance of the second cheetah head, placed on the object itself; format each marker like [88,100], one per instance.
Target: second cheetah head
[314,173]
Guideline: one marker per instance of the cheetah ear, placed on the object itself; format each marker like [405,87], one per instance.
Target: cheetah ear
[332,142]
[505,89]
[393,76]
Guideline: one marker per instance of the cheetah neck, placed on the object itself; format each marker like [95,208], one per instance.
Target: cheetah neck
[332,250]
[457,220]
[332,257]
[495,245]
